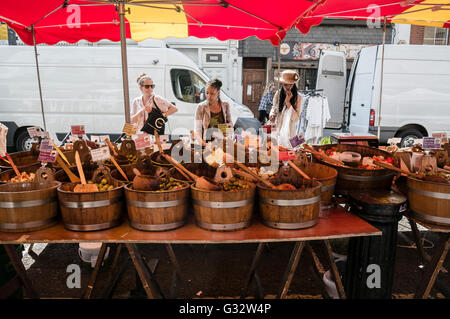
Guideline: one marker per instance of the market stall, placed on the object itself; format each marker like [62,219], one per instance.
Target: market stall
[143,201]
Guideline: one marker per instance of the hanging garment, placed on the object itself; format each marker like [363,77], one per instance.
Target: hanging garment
[303,122]
[284,133]
[317,115]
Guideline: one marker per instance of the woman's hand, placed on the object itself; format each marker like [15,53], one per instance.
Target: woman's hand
[287,100]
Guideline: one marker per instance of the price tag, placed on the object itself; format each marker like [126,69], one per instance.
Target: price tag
[394,140]
[47,156]
[95,138]
[129,129]
[143,142]
[286,155]
[297,140]
[77,130]
[36,131]
[431,143]
[442,135]
[268,128]
[46,145]
[100,154]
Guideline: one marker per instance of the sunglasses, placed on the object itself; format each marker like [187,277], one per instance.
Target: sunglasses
[149,86]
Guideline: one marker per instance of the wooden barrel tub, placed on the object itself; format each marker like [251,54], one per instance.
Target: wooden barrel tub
[290,209]
[26,207]
[223,211]
[22,160]
[326,175]
[350,178]
[157,211]
[8,174]
[90,211]
[429,201]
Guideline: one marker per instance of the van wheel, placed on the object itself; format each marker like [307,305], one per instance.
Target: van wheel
[408,136]
[24,141]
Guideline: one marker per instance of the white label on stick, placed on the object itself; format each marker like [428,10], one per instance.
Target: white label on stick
[100,154]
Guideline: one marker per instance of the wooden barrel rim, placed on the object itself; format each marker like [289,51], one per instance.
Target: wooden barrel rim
[428,182]
[69,192]
[128,189]
[262,186]
[251,186]
[54,184]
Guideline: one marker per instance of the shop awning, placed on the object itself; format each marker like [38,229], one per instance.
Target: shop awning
[73,20]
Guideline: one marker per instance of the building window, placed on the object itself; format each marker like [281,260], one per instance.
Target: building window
[435,36]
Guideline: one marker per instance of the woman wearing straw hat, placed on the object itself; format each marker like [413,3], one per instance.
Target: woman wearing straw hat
[286,106]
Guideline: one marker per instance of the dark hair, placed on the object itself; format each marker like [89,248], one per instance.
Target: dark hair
[217,84]
[283,97]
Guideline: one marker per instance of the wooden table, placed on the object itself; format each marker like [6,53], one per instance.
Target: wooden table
[340,224]
[433,264]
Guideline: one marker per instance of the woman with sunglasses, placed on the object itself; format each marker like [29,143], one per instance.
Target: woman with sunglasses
[286,107]
[150,111]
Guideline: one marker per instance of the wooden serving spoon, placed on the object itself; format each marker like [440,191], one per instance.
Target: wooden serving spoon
[200,182]
[119,168]
[11,162]
[83,187]
[73,178]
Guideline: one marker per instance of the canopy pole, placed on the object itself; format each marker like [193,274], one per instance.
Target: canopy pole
[381,80]
[39,78]
[279,62]
[123,46]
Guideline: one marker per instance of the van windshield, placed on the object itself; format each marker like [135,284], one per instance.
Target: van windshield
[187,86]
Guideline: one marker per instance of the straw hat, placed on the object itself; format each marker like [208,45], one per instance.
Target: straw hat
[288,77]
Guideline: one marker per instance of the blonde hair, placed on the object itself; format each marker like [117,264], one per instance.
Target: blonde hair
[141,78]
[267,88]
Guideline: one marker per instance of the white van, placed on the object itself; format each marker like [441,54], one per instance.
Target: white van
[83,86]
[416,92]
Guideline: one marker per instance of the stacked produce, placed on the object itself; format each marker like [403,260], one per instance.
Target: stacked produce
[24,177]
[102,185]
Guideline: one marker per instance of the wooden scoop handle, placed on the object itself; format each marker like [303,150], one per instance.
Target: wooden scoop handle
[80,167]
[13,165]
[322,156]
[298,170]
[249,171]
[183,170]
[111,146]
[393,168]
[119,168]
[73,178]
[62,154]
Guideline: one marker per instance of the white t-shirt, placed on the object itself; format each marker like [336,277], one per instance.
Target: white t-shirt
[318,111]
[138,105]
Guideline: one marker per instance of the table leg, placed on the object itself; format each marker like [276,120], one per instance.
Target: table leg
[251,274]
[434,266]
[318,271]
[290,270]
[91,284]
[144,274]
[422,254]
[334,270]
[20,270]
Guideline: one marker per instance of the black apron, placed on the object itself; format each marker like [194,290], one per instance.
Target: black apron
[155,120]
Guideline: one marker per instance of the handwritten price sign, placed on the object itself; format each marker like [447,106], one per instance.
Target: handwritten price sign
[77,130]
